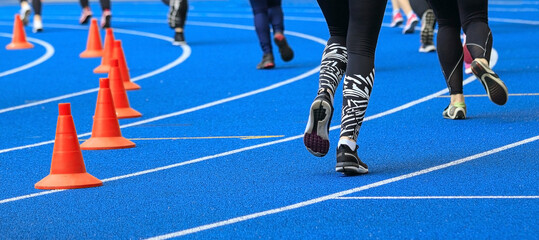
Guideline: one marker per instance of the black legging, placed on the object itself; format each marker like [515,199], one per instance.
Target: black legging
[177,13]
[354,27]
[267,12]
[36,5]
[105,4]
[472,17]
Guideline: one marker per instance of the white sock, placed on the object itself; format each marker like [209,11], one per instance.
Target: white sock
[410,14]
[349,143]
[395,11]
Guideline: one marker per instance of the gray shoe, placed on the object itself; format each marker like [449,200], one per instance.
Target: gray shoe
[455,111]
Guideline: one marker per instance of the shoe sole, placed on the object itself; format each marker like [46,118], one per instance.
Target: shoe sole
[316,137]
[430,48]
[459,115]
[287,54]
[427,30]
[350,169]
[396,24]
[496,89]
[267,66]
[179,43]
[85,20]
[26,17]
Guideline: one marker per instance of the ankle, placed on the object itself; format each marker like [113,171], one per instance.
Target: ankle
[457,98]
[482,60]
[348,142]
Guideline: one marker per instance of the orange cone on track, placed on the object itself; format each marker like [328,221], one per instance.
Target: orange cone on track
[118,53]
[119,96]
[67,167]
[19,36]
[107,53]
[93,45]
[106,132]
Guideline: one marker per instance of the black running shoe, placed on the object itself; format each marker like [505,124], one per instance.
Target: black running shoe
[348,162]
[268,62]
[105,19]
[286,52]
[179,39]
[496,89]
[316,136]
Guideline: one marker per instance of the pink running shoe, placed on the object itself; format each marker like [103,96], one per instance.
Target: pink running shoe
[397,20]
[410,24]
[85,16]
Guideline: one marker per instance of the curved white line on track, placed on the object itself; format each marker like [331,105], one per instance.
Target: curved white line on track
[343,193]
[185,54]
[207,105]
[494,57]
[49,52]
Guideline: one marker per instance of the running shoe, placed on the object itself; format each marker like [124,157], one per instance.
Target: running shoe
[37,26]
[85,16]
[467,68]
[286,52]
[348,162]
[397,20]
[267,62]
[316,136]
[105,19]
[427,48]
[25,14]
[496,89]
[410,24]
[179,39]
[427,32]
[455,111]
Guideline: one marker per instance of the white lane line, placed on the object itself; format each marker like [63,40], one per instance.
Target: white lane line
[518,21]
[485,95]
[435,197]
[207,105]
[402,107]
[185,54]
[343,193]
[49,52]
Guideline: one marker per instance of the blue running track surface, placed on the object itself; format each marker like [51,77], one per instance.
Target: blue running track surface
[219,150]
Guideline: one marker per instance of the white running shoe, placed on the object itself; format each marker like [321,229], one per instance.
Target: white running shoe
[25,14]
[37,26]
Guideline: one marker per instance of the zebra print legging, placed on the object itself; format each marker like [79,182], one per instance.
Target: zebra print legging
[354,27]
[177,12]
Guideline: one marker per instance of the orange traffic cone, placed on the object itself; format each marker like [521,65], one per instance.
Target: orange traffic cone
[107,53]
[106,132]
[118,53]
[19,36]
[121,103]
[93,45]
[67,167]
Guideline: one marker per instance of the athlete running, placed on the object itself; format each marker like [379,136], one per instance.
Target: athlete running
[472,17]
[354,27]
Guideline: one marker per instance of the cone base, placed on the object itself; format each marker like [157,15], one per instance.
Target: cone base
[91,54]
[122,113]
[103,143]
[102,69]
[17,46]
[68,181]
[131,86]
